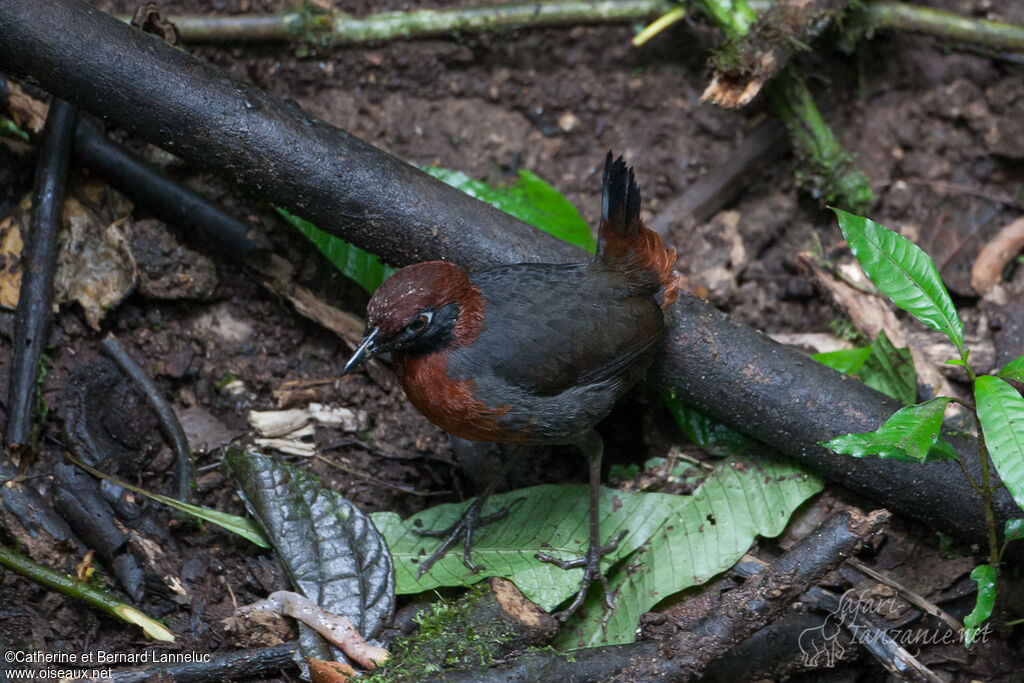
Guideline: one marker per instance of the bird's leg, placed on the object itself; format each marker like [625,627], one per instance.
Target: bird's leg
[593,447]
[469,521]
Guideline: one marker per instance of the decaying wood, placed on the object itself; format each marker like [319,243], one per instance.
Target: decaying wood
[743,66]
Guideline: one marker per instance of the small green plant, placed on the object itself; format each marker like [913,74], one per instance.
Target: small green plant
[908,276]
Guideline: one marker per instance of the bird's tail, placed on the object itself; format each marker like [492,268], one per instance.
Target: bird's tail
[625,244]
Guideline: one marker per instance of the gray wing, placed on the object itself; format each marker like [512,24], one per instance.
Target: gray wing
[554,327]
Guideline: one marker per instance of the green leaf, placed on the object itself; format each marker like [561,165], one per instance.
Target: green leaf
[734,16]
[547,518]
[709,531]
[691,538]
[9,128]
[710,435]
[910,435]
[903,272]
[365,268]
[529,199]
[1014,370]
[846,361]
[1014,530]
[890,370]
[330,548]
[1001,413]
[985,576]
[242,526]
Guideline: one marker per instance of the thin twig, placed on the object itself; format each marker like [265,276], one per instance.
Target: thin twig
[184,467]
[925,604]
[35,297]
[883,647]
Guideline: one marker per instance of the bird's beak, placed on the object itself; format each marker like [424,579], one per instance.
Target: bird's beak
[363,353]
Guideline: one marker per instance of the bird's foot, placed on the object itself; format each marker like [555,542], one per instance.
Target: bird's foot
[463,527]
[591,563]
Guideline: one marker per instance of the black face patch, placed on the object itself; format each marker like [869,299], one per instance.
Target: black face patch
[437,335]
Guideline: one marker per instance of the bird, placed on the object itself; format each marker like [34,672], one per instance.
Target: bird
[530,353]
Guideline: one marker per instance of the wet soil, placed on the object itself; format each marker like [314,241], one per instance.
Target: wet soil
[936,127]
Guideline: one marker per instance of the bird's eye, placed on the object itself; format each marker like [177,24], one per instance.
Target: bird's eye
[420,322]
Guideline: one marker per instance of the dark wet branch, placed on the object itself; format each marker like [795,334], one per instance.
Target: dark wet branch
[244,664]
[766,595]
[184,467]
[39,259]
[353,190]
[153,191]
[78,499]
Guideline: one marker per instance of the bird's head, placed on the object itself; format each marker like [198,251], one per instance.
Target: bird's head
[422,309]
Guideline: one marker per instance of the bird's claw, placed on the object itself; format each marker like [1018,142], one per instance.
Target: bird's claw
[464,526]
[591,563]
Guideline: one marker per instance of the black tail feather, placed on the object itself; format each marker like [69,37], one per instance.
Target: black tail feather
[620,200]
[624,244]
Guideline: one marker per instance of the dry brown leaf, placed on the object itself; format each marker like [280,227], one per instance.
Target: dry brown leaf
[95,266]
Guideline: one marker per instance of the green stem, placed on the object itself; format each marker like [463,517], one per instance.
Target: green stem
[986,497]
[735,16]
[827,168]
[900,16]
[74,588]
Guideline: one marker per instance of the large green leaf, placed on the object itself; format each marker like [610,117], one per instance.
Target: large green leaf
[673,542]
[710,435]
[547,518]
[890,370]
[529,199]
[1013,370]
[1001,413]
[903,272]
[910,435]
[363,267]
[985,576]
[846,361]
[707,533]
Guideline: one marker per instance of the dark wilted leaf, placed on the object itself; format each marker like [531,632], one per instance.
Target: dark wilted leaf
[332,551]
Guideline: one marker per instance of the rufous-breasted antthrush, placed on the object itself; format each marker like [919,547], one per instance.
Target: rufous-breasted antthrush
[531,353]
